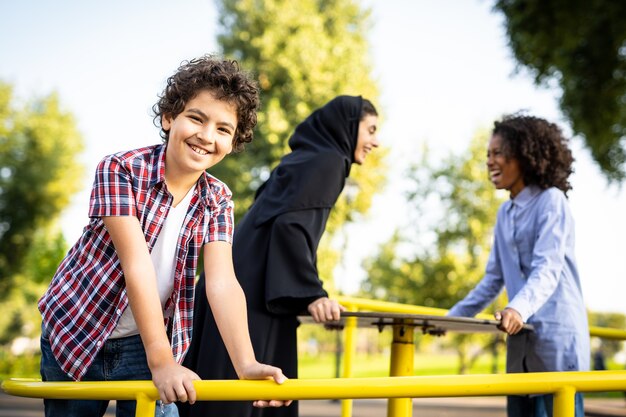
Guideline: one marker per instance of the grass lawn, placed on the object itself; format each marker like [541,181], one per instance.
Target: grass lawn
[323,365]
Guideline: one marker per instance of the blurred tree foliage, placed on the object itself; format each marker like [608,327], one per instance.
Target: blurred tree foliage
[39,144]
[582,46]
[19,305]
[442,252]
[447,241]
[303,54]
[608,347]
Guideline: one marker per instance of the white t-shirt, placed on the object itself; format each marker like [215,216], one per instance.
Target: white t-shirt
[163,258]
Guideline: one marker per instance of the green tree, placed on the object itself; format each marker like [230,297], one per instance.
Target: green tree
[303,54]
[442,252]
[39,144]
[447,241]
[19,305]
[580,45]
[607,347]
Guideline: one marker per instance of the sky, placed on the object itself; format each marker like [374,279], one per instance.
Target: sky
[443,68]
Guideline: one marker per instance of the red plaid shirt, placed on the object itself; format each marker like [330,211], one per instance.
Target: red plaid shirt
[87,294]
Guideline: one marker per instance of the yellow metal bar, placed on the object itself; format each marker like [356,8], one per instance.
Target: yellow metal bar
[564,402]
[413,386]
[560,383]
[353,303]
[401,364]
[146,406]
[348,356]
[607,333]
[402,351]
[346,408]
[337,388]
[91,390]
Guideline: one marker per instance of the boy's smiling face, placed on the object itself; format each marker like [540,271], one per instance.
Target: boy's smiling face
[201,135]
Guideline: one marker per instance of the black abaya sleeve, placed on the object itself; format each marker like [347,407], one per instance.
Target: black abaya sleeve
[292,281]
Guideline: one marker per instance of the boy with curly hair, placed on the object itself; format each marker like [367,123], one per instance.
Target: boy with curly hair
[533,257]
[120,305]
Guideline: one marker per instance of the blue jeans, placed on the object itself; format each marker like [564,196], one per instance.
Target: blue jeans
[538,406]
[121,359]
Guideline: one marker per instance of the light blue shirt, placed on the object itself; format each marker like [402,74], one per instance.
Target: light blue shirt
[533,257]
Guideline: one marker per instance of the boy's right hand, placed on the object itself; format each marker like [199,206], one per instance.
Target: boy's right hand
[174,382]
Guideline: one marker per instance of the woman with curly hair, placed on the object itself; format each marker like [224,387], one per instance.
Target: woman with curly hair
[533,257]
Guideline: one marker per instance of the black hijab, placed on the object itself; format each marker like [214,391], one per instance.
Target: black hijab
[314,173]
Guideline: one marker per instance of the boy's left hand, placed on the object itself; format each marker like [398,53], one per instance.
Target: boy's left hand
[261,371]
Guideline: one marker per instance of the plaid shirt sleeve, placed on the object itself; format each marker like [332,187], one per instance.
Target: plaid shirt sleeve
[112,193]
[221,217]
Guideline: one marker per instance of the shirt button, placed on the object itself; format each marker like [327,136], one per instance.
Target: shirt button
[98,343]
[162,209]
[119,311]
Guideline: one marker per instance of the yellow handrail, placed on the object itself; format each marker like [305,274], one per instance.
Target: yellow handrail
[563,384]
[607,333]
[354,303]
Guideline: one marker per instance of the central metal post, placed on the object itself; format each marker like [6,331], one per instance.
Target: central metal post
[401,364]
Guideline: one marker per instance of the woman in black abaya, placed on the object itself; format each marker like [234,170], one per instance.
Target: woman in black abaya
[274,250]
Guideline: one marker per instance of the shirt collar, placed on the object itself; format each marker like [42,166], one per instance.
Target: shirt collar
[158,174]
[525,196]
[204,186]
[158,161]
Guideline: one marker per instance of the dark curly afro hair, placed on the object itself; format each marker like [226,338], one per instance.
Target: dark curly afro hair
[540,149]
[221,77]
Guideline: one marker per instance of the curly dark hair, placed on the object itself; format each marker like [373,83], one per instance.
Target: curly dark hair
[540,149]
[225,80]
